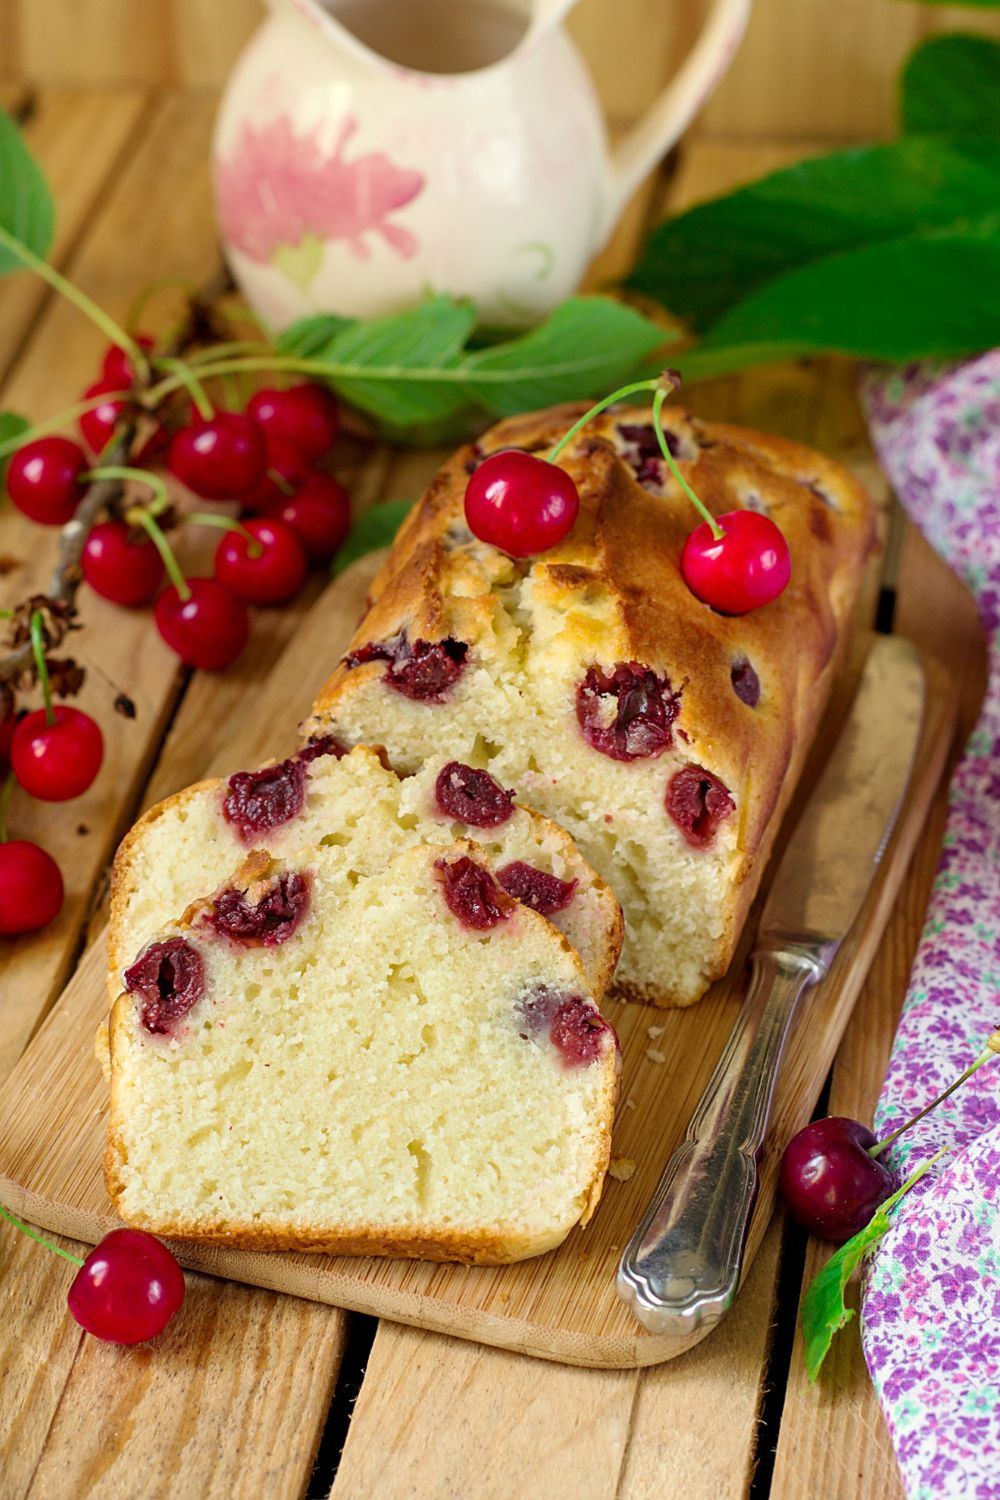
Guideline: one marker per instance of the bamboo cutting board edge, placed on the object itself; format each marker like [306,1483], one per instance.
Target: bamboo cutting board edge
[543,1310]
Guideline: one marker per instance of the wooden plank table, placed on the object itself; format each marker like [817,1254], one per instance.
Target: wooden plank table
[259,1394]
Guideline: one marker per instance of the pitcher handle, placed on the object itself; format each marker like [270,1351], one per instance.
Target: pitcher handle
[672,111]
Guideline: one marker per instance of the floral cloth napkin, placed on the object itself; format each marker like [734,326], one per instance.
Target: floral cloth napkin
[931,1305]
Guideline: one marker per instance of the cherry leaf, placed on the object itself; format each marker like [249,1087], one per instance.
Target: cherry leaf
[951,85]
[12,425]
[374,528]
[824,1310]
[27,213]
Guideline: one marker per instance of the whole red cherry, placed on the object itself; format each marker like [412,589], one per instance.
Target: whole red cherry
[520,503]
[128,1288]
[121,564]
[306,416]
[269,569]
[285,470]
[98,424]
[117,366]
[319,513]
[219,457]
[31,888]
[829,1182]
[43,479]
[56,761]
[745,568]
[209,629]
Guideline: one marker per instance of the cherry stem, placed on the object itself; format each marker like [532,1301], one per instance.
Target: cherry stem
[280,482]
[56,424]
[224,351]
[141,476]
[602,405]
[225,523]
[706,515]
[80,301]
[914,1177]
[990,1050]
[139,516]
[41,666]
[40,1238]
[5,796]
[197,391]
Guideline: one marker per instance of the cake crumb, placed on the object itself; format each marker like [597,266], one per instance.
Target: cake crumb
[630,1104]
[654,1056]
[655,1031]
[621,1168]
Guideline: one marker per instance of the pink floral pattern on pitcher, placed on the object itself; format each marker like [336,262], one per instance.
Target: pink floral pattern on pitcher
[283,196]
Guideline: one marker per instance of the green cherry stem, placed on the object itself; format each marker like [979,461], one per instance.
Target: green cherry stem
[225,523]
[57,423]
[706,515]
[41,667]
[80,301]
[39,1238]
[991,1049]
[194,386]
[913,1178]
[228,350]
[595,411]
[141,476]
[5,796]
[139,516]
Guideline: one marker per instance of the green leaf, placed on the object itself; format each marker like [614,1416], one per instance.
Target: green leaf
[586,347]
[951,84]
[978,4]
[12,425]
[404,353]
[921,295]
[711,258]
[824,1310]
[27,213]
[373,529]
[311,336]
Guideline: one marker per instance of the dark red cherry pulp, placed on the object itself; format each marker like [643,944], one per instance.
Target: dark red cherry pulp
[542,891]
[57,761]
[304,415]
[220,457]
[121,564]
[268,921]
[829,1182]
[424,671]
[258,800]
[267,567]
[209,629]
[43,479]
[128,1288]
[627,712]
[520,503]
[472,894]
[31,888]
[747,567]
[698,803]
[471,796]
[168,978]
[574,1027]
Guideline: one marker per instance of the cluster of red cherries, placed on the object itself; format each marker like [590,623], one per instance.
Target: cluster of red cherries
[294,514]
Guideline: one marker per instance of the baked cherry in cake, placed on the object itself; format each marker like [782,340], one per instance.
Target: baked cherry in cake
[259,800]
[627,712]
[472,894]
[267,917]
[168,978]
[424,671]
[746,683]
[574,1026]
[472,796]
[539,889]
[699,803]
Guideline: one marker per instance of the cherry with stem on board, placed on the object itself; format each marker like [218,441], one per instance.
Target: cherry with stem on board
[31,884]
[832,1179]
[127,1289]
[56,751]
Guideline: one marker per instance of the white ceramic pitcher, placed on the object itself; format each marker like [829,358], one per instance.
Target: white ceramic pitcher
[349,181]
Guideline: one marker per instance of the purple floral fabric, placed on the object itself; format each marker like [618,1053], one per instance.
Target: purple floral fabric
[931,1304]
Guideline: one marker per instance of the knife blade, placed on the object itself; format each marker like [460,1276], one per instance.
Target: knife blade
[681,1269]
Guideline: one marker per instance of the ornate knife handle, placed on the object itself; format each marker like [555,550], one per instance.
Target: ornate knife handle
[681,1268]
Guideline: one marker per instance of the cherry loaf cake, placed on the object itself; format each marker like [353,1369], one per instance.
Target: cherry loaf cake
[363,813]
[409,1062]
[665,737]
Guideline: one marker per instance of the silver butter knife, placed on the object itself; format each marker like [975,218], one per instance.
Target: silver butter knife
[681,1269]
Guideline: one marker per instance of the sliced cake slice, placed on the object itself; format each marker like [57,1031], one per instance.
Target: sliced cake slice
[363,813]
[403,1062]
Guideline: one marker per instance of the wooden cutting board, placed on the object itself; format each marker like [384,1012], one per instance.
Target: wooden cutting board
[560,1306]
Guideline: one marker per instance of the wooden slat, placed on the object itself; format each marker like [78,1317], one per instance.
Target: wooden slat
[108,120]
[833,1439]
[210,38]
[436,1418]
[96,41]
